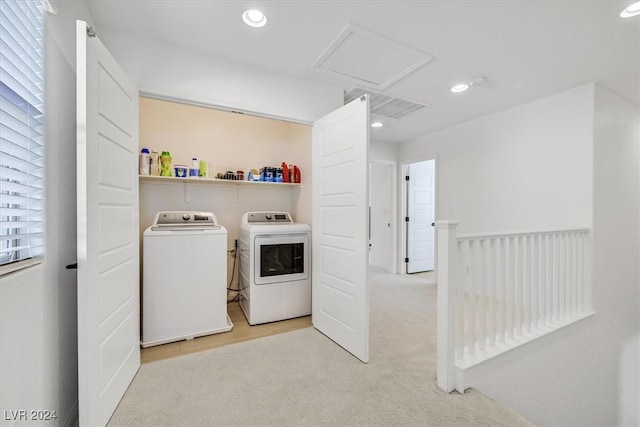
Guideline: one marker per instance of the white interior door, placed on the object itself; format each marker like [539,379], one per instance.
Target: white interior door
[421,213]
[108,256]
[340,175]
[381,199]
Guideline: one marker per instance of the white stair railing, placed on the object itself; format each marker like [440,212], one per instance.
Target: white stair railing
[497,292]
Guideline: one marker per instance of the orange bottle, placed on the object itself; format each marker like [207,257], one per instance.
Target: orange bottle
[285,172]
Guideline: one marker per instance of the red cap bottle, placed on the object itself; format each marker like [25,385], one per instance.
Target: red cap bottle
[296,174]
[285,172]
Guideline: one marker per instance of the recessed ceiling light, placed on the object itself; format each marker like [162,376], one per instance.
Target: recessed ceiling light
[630,11]
[254,18]
[376,125]
[459,88]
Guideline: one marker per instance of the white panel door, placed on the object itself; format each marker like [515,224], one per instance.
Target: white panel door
[340,175]
[108,245]
[381,199]
[421,213]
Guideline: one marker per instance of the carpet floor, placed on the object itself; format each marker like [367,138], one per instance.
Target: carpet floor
[302,378]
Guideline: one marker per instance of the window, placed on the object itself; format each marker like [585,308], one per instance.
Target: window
[21,132]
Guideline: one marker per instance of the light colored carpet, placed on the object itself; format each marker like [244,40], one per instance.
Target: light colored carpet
[302,378]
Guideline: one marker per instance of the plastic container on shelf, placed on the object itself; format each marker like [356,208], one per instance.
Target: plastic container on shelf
[144,162]
[194,170]
[181,171]
[297,176]
[165,164]
[155,163]
[203,169]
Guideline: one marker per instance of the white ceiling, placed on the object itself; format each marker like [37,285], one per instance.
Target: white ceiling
[525,49]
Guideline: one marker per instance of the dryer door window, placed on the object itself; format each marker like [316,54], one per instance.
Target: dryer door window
[281,258]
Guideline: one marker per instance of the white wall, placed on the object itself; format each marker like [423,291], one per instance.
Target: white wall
[38,365]
[616,238]
[163,69]
[525,168]
[379,150]
[550,164]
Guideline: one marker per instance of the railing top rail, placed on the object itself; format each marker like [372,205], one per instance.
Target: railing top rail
[480,236]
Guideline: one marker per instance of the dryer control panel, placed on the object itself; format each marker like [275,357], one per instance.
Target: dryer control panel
[269,217]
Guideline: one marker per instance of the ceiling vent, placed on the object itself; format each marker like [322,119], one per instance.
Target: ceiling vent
[369,59]
[384,105]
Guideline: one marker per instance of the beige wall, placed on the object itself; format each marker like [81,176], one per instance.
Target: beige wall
[229,141]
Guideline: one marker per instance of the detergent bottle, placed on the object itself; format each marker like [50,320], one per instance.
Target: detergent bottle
[296,175]
[144,162]
[285,172]
[165,164]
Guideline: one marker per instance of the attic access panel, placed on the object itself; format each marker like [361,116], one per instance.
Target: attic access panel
[369,59]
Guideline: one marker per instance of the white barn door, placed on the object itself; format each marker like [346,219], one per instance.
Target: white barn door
[108,256]
[340,227]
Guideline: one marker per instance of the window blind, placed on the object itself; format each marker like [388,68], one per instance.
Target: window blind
[21,130]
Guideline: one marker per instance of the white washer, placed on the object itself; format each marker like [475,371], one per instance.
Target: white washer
[275,267]
[184,290]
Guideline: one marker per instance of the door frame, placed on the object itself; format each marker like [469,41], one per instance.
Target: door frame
[394,210]
[402,225]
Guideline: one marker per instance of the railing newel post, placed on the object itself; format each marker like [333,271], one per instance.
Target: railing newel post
[447,280]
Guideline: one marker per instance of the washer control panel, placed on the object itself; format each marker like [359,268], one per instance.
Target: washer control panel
[186,218]
[269,217]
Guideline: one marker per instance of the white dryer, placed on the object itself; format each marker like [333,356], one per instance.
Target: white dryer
[184,289]
[275,267]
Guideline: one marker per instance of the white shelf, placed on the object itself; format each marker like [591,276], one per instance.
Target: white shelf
[211,181]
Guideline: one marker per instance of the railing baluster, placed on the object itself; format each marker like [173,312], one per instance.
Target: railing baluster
[580,294]
[574,272]
[544,275]
[554,278]
[471,322]
[563,277]
[526,282]
[542,282]
[549,275]
[481,286]
[491,281]
[569,275]
[500,284]
[460,306]
[518,286]
[508,289]
[535,278]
